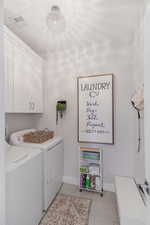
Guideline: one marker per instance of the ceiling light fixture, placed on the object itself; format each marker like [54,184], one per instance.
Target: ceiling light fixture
[55,20]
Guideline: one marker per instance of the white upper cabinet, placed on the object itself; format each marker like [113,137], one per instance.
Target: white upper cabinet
[24,77]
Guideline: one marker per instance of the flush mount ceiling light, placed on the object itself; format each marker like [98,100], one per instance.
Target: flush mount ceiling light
[55,20]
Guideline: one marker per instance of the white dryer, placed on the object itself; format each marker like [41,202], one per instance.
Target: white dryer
[53,163]
[23,186]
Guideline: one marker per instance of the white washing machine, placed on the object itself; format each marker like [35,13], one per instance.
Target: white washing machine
[23,186]
[53,163]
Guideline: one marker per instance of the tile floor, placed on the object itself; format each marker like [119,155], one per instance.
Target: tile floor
[103,209]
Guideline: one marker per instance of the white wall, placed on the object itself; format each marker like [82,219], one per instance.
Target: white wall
[147,90]
[2,148]
[147,98]
[138,76]
[62,70]
[15,122]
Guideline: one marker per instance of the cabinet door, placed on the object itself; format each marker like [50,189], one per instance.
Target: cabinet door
[9,75]
[23,101]
[24,77]
[36,78]
[27,83]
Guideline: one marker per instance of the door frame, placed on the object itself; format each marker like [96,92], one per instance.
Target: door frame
[2,120]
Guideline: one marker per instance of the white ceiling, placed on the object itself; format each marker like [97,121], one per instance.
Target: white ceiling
[106,22]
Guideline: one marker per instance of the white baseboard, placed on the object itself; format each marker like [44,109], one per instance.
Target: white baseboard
[109,187]
[72,180]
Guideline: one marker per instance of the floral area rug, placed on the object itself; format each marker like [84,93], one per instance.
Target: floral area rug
[68,210]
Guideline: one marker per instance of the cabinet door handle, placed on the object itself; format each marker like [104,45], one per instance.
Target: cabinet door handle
[33,105]
[30,105]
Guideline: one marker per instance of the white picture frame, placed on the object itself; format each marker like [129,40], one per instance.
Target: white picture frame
[95,109]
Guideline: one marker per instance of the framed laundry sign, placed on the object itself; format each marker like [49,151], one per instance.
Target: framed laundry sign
[96,109]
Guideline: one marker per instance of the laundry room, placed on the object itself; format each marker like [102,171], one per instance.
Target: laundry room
[75,118]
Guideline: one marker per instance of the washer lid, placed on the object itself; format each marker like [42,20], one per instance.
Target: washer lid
[15,155]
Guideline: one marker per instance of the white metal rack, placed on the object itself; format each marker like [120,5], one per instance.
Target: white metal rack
[91,158]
